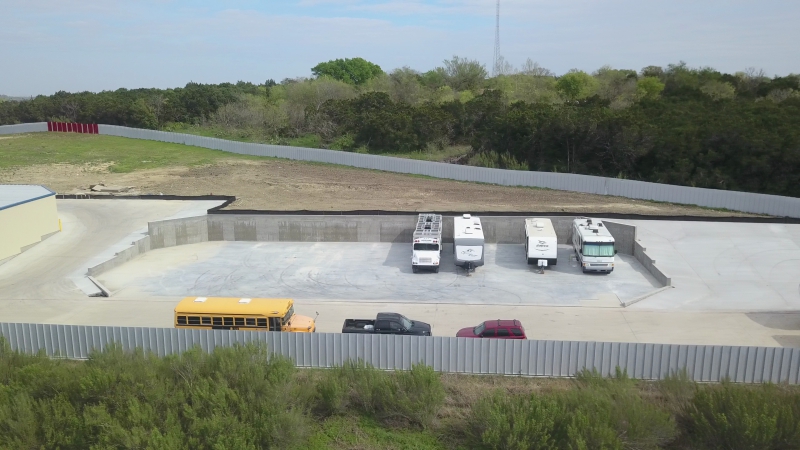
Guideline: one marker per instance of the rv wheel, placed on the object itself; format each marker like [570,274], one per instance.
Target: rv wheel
[435,270]
[414,269]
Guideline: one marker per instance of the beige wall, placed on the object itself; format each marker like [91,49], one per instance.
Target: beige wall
[26,224]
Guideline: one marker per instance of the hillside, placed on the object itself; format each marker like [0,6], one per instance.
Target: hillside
[70,163]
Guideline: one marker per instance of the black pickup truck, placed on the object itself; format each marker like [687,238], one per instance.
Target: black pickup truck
[387,323]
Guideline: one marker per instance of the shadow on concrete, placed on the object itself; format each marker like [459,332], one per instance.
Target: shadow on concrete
[777,320]
[787,341]
[512,256]
[639,268]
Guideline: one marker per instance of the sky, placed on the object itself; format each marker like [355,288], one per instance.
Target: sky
[93,45]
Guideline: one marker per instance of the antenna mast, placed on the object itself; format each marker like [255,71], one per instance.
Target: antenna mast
[496,69]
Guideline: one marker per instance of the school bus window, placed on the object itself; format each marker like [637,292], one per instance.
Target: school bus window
[274,324]
[262,323]
[181,320]
[194,320]
[251,322]
[239,321]
[206,320]
[228,321]
[288,315]
[217,321]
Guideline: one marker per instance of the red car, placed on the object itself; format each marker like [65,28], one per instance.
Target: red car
[499,329]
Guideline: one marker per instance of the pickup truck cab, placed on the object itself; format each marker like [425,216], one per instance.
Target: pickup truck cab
[387,323]
[498,329]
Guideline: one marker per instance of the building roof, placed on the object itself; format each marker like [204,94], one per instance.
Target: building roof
[17,194]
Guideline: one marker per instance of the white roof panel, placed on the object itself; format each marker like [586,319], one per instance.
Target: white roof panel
[16,194]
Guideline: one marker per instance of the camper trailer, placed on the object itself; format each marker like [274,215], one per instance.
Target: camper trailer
[541,242]
[594,245]
[468,241]
[426,250]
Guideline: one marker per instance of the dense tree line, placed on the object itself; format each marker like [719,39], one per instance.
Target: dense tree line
[674,124]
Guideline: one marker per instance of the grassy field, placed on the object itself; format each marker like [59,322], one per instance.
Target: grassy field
[124,155]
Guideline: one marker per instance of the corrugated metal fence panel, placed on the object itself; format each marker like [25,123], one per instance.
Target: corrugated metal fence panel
[37,127]
[444,354]
[738,201]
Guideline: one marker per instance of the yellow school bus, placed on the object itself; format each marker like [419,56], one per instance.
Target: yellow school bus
[255,314]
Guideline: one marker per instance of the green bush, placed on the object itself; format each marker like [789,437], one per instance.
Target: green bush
[413,396]
[600,413]
[508,422]
[743,418]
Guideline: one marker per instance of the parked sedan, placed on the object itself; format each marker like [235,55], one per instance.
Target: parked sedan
[498,329]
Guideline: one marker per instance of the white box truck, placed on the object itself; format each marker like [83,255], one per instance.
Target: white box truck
[594,245]
[426,252]
[541,242]
[468,241]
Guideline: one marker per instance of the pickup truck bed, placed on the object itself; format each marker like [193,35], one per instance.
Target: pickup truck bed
[387,323]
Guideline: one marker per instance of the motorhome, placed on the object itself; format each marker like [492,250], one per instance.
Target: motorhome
[594,245]
[426,252]
[468,241]
[541,242]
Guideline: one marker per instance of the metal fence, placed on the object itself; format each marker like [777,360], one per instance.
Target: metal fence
[444,354]
[24,128]
[737,201]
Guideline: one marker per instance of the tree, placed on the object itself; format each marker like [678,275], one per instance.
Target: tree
[463,74]
[533,69]
[649,88]
[576,85]
[355,71]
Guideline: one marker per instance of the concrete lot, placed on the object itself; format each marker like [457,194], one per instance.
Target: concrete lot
[355,272]
[724,266]
[730,279]
[93,230]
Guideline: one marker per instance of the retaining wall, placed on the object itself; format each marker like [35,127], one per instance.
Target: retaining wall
[650,264]
[444,354]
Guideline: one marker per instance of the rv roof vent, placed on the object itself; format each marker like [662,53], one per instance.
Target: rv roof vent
[588,221]
[595,230]
[244,300]
[539,225]
[200,299]
[467,230]
[466,216]
[476,222]
[600,224]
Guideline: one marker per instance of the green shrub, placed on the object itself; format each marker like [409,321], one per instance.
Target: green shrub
[600,413]
[508,422]
[618,415]
[307,141]
[344,142]
[743,418]
[413,396]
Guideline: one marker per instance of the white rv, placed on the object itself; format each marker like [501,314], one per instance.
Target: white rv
[594,245]
[468,241]
[541,242]
[426,252]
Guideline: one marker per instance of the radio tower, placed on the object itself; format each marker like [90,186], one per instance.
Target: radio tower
[496,70]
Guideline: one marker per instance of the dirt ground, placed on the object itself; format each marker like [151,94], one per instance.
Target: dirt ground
[292,185]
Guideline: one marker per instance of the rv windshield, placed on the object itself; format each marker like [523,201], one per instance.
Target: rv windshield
[427,247]
[600,249]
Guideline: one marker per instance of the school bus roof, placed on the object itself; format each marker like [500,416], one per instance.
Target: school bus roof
[276,307]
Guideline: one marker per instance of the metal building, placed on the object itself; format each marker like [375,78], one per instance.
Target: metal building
[28,215]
